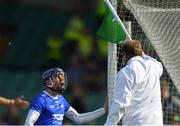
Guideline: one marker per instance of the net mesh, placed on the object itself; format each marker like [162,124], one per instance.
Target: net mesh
[160,20]
[156,23]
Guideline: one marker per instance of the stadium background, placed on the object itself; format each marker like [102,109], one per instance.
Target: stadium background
[38,34]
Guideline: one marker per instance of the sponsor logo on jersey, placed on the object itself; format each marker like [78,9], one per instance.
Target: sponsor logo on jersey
[58,116]
[51,106]
[56,106]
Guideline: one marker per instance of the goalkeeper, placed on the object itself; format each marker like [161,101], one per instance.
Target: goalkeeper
[50,107]
[137,97]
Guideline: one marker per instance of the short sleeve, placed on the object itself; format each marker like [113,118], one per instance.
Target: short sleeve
[37,104]
[66,104]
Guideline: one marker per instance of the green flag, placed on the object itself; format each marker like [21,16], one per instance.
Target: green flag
[111,29]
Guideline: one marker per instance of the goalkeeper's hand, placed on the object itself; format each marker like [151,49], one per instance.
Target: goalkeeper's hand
[106,105]
[19,102]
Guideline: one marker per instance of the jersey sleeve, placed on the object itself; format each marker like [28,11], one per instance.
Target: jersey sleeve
[122,96]
[81,118]
[123,89]
[66,104]
[37,104]
[31,117]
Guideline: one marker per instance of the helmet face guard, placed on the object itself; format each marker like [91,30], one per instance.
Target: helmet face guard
[50,74]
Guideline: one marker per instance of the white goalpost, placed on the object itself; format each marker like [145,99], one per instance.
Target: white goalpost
[156,23]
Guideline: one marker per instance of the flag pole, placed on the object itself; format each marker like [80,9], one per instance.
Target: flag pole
[117,18]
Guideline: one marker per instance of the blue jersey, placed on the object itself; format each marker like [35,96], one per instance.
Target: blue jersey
[51,110]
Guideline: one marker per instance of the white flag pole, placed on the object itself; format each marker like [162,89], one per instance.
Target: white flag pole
[117,18]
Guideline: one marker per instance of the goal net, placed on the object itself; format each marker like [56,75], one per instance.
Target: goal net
[156,23]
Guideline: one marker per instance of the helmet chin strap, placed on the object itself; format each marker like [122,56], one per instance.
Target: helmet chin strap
[54,88]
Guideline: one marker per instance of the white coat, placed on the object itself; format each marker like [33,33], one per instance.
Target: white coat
[137,97]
